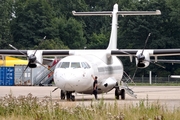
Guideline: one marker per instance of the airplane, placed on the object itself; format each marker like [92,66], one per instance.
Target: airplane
[73,73]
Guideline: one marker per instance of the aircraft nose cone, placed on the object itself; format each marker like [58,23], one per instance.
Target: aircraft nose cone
[67,80]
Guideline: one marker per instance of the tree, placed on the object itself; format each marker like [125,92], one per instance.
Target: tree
[6,11]
[98,41]
[32,22]
[72,34]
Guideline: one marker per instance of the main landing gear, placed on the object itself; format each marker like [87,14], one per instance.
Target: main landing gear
[124,89]
[119,92]
[67,94]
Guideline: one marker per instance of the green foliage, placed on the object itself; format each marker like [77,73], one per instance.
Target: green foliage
[24,23]
[32,22]
[5,20]
[98,41]
[73,35]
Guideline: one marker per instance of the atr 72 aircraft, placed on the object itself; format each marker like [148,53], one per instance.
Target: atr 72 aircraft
[73,73]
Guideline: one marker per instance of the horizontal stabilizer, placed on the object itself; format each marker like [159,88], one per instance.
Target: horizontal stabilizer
[123,13]
[91,13]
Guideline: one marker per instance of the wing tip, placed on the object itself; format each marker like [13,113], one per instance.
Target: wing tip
[158,12]
[73,12]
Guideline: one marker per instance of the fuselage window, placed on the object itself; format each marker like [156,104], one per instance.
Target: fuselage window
[85,65]
[75,65]
[64,65]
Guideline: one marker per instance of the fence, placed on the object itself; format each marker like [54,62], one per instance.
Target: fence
[155,79]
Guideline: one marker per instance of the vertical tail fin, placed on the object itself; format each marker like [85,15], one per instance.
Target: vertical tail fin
[113,38]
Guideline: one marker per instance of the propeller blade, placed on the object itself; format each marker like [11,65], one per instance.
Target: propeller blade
[126,52]
[134,73]
[43,66]
[156,64]
[17,50]
[35,52]
[44,37]
[24,70]
[159,65]
[146,42]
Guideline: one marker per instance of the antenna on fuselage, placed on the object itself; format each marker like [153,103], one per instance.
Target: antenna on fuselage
[113,38]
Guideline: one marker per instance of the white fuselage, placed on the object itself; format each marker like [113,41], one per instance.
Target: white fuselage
[73,73]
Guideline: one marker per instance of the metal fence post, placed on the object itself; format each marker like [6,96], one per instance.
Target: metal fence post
[150,77]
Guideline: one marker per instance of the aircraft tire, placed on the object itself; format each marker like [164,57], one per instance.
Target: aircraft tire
[72,97]
[68,96]
[117,94]
[122,94]
[62,95]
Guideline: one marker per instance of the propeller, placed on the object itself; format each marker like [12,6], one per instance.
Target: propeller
[32,60]
[141,57]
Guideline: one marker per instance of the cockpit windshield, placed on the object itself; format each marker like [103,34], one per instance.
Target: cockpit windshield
[84,65]
[75,65]
[64,65]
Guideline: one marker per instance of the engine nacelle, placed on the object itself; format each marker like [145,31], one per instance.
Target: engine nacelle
[144,58]
[37,58]
[32,65]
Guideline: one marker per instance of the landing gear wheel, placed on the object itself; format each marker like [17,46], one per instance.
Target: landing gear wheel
[62,95]
[68,95]
[122,94]
[117,93]
[72,97]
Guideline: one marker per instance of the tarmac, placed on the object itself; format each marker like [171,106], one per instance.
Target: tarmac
[167,96]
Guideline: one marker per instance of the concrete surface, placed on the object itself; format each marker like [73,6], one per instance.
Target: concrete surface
[165,95]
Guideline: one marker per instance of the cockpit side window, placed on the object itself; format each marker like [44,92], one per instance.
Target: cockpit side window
[64,65]
[85,65]
[75,65]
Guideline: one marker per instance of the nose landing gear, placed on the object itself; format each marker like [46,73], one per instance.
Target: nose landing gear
[68,95]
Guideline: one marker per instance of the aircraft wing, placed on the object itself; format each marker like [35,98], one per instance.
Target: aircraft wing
[143,56]
[118,52]
[25,52]
[152,52]
[167,61]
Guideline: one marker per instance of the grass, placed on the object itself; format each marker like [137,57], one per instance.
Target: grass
[31,108]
